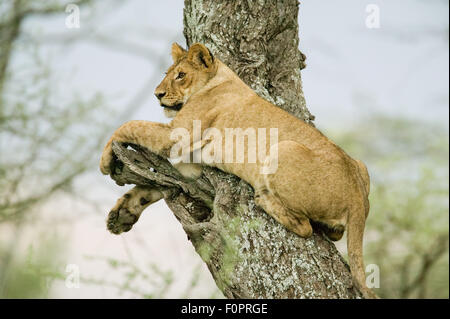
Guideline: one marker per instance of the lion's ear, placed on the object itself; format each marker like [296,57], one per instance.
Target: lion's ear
[177,52]
[200,55]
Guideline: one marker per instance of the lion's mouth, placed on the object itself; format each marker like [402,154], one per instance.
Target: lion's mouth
[175,107]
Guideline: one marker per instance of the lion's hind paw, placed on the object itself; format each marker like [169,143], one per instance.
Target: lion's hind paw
[120,220]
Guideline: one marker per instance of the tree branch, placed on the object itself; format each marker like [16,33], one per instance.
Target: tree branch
[232,234]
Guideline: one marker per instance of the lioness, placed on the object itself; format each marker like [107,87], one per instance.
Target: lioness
[315,179]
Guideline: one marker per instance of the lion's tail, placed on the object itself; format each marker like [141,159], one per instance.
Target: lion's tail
[355,233]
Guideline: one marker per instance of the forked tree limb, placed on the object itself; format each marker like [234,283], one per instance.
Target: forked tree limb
[248,254]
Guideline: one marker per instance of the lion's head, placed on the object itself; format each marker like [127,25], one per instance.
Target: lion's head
[191,70]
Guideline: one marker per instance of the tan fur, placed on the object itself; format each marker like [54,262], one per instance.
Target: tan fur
[315,181]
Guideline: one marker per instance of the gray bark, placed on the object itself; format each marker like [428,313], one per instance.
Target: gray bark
[248,254]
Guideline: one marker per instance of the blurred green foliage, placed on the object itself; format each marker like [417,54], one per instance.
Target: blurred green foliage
[47,138]
[407,227]
[32,274]
[147,282]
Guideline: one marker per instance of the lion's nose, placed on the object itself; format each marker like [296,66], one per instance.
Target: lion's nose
[160,95]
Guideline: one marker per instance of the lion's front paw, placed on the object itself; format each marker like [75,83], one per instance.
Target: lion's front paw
[121,220]
[107,159]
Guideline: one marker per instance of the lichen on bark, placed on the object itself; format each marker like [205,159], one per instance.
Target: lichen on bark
[256,39]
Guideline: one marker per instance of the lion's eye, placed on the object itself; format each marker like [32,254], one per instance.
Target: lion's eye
[180,75]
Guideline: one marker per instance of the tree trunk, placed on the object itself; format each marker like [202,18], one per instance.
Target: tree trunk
[248,254]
